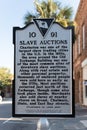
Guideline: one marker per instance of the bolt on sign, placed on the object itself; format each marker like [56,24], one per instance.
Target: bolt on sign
[43,70]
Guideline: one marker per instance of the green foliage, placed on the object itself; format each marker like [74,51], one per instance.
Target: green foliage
[5,78]
[51,9]
[29,17]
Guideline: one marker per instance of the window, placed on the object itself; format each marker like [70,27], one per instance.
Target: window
[83,36]
[75,50]
[85,85]
[79,90]
[79,44]
[86,91]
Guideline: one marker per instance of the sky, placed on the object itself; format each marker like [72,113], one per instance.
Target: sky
[12,14]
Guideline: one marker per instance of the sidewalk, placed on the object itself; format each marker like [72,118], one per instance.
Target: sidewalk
[80,110]
[7,99]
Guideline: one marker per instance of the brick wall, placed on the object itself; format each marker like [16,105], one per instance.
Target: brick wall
[80,53]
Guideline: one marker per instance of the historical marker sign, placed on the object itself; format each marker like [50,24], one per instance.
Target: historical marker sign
[43,70]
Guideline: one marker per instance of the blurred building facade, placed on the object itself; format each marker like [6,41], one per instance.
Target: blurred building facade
[80,54]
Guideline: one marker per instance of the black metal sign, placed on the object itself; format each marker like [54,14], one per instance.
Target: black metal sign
[43,70]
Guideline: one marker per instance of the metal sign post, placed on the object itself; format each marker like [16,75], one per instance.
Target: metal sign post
[43,124]
[43,70]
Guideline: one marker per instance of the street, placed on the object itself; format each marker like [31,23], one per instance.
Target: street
[7,122]
[5,111]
